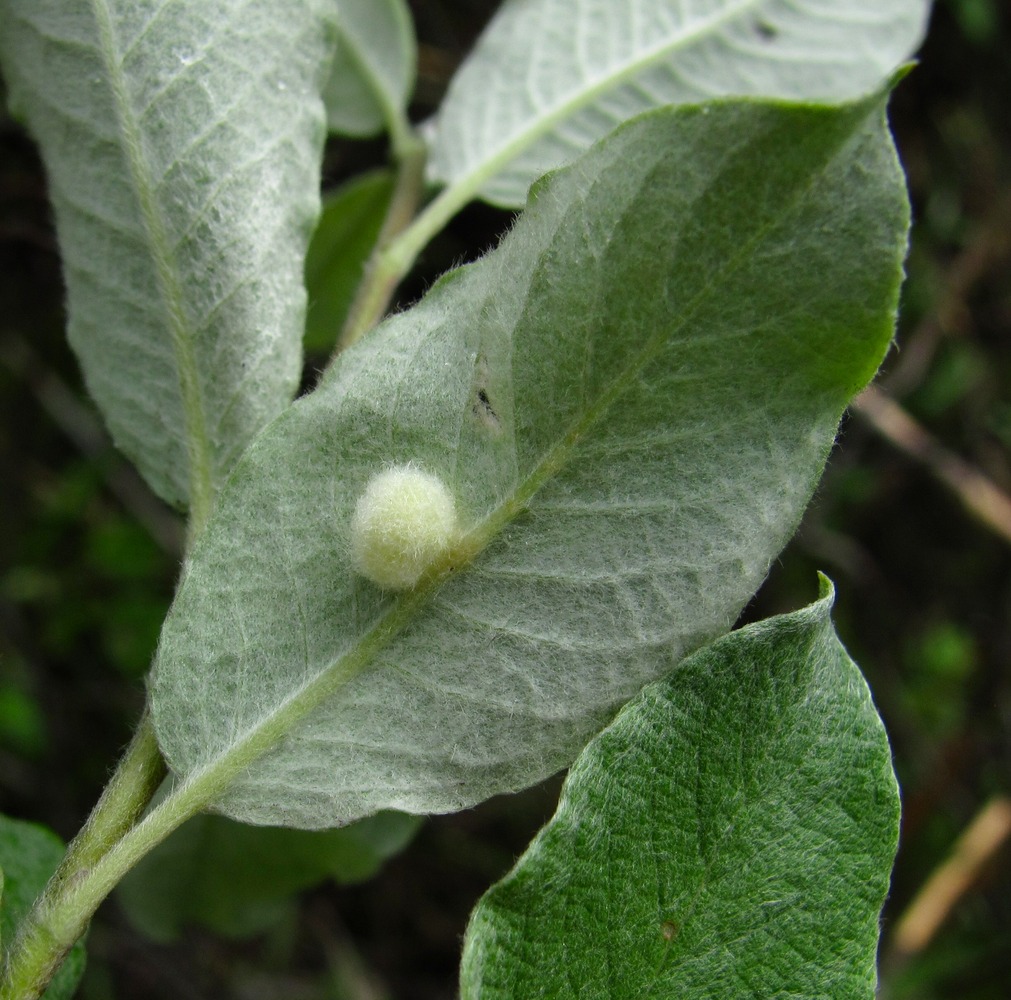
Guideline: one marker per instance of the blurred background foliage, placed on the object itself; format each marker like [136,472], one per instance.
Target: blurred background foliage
[912,521]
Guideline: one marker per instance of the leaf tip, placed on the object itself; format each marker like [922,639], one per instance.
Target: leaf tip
[899,75]
[826,589]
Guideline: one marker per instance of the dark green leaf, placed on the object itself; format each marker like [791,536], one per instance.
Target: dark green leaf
[730,835]
[237,879]
[29,854]
[347,231]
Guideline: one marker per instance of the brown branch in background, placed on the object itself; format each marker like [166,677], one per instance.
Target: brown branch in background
[985,253]
[81,426]
[978,494]
[972,854]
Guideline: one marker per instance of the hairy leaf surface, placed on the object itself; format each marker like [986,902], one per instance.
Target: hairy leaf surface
[549,77]
[731,834]
[29,854]
[182,143]
[631,400]
[373,71]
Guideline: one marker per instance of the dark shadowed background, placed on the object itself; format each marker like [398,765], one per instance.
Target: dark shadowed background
[912,521]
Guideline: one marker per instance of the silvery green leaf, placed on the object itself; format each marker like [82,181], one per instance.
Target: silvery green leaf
[631,400]
[182,143]
[549,77]
[373,71]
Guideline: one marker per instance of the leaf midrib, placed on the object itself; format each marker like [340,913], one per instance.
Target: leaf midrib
[170,286]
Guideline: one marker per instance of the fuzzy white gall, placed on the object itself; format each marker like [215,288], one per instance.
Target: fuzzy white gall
[404,521]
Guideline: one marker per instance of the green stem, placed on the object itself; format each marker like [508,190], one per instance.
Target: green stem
[39,947]
[378,285]
[400,255]
[128,792]
[393,260]
[62,913]
[399,244]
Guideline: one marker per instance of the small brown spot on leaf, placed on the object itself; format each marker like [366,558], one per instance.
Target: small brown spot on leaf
[483,407]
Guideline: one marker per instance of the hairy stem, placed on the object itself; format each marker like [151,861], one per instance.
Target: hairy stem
[128,792]
[39,949]
[394,259]
[61,914]
[380,281]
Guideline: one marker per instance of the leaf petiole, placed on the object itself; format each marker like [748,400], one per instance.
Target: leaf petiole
[381,278]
